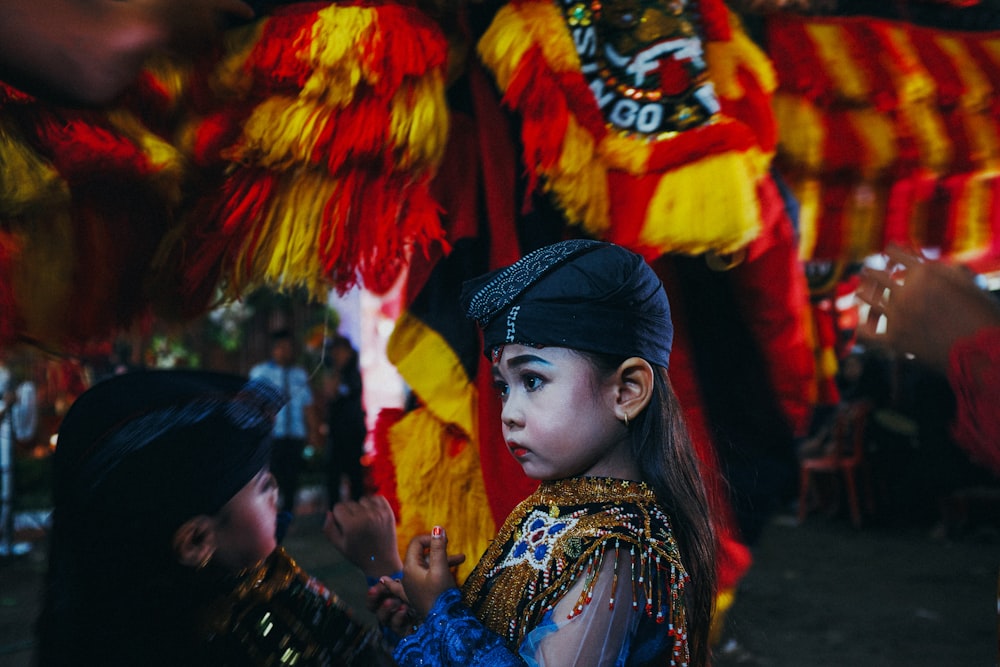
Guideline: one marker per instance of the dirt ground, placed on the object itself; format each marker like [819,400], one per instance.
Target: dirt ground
[819,594]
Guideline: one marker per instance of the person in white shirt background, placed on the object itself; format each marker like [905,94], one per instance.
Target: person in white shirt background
[296,424]
[18,420]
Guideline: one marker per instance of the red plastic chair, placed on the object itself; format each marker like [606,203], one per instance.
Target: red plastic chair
[846,459]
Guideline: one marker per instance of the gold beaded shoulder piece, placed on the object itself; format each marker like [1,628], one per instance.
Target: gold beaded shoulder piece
[276,614]
[564,531]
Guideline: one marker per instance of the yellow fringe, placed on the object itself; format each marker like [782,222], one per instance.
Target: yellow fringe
[438,487]
[879,141]
[289,235]
[27,182]
[912,81]
[801,130]
[419,123]
[446,388]
[281,132]
[44,274]
[922,121]
[557,46]
[229,78]
[515,29]
[579,181]
[709,204]
[167,160]
[504,44]
[827,363]
[171,75]
[625,153]
[334,54]
[723,603]
[726,59]
[850,81]
[862,224]
[807,193]
[992,49]
[978,92]
[972,215]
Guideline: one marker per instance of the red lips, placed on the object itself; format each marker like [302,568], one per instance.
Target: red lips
[517,450]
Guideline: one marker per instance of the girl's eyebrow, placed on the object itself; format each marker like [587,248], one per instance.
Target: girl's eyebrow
[525,359]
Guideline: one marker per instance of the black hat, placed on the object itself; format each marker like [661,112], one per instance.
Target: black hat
[158,447]
[581,294]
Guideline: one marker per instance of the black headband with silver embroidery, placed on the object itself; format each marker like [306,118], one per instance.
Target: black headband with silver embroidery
[581,294]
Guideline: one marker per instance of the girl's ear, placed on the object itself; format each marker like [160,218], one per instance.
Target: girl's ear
[194,541]
[634,388]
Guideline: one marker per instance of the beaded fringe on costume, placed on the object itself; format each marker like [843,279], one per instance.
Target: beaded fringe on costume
[564,531]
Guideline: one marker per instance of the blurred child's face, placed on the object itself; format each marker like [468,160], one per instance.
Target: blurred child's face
[281,352]
[245,531]
[558,416]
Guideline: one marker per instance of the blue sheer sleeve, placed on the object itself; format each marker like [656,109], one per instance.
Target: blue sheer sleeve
[452,637]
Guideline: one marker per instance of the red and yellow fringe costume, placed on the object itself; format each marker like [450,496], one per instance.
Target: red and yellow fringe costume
[299,156]
[690,192]
[888,134]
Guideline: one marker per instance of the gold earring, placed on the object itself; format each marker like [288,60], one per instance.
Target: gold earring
[626,420]
[204,562]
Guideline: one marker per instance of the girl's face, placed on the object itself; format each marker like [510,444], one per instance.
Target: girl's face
[558,416]
[245,526]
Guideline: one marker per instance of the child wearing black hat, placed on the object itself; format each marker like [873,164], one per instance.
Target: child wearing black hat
[611,560]
[163,546]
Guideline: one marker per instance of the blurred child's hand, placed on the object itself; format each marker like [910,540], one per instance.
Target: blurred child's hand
[387,600]
[365,532]
[427,571]
[927,305]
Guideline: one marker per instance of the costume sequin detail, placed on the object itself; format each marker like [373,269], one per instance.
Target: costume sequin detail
[564,531]
[276,614]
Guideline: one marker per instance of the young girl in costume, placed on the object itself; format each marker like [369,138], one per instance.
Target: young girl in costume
[611,560]
[163,547]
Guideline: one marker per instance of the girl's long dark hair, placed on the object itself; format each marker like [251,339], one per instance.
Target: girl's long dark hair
[662,449]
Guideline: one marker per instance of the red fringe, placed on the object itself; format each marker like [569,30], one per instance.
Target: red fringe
[358,134]
[82,146]
[775,310]
[274,63]
[383,467]
[533,91]
[715,20]
[9,319]
[377,210]
[700,142]
[990,68]
[753,109]
[795,60]
[423,50]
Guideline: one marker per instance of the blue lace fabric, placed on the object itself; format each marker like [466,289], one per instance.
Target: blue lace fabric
[452,635]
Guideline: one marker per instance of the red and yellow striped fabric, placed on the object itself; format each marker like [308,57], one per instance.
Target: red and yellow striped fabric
[888,133]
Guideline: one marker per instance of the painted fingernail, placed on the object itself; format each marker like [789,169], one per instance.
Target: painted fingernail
[437,531]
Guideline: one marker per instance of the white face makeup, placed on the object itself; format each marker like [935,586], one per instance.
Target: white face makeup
[558,417]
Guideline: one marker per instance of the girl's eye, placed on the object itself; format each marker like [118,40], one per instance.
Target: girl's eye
[269,482]
[501,388]
[532,382]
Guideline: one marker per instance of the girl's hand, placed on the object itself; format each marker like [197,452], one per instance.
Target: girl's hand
[365,532]
[387,600]
[427,571]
